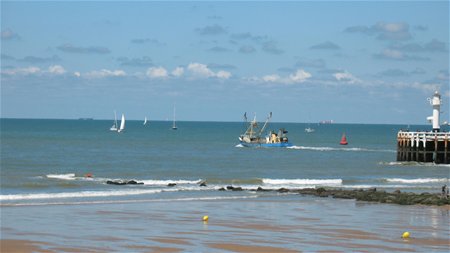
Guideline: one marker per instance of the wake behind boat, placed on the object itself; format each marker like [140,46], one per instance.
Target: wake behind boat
[253,135]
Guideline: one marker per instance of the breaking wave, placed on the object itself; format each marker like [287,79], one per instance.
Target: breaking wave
[69,176]
[341,149]
[417,180]
[412,163]
[327,182]
[82,194]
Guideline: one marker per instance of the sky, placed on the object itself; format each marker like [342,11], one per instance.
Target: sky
[371,62]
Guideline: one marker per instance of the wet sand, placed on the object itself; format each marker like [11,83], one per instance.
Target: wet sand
[21,246]
[267,224]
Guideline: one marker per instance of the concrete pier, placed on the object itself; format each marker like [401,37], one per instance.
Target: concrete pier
[423,147]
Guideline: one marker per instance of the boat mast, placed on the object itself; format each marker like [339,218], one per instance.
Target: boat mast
[265,124]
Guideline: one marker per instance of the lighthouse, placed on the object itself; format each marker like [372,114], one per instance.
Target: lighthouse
[425,146]
[435,101]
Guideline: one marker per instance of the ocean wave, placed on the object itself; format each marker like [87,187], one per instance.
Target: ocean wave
[388,186]
[341,149]
[69,176]
[302,181]
[417,180]
[166,182]
[82,194]
[239,146]
[413,163]
[129,201]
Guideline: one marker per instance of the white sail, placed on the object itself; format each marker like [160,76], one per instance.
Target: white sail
[145,121]
[122,124]
[114,126]
[174,126]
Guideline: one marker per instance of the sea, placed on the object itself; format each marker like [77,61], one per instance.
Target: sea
[49,163]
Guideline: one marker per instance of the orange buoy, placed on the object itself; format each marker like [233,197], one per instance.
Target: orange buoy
[343,140]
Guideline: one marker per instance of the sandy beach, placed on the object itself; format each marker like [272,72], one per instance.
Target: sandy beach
[283,223]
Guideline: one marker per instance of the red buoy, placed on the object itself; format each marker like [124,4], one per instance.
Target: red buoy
[343,140]
[88,175]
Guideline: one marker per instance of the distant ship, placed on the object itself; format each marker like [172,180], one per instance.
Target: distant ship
[326,122]
[252,137]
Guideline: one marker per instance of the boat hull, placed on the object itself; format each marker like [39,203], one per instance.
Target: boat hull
[266,145]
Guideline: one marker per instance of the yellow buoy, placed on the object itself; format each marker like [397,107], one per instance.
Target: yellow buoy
[405,235]
[205,218]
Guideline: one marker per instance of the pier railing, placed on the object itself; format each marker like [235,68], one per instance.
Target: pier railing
[423,146]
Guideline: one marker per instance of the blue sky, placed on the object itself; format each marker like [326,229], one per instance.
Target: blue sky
[347,61]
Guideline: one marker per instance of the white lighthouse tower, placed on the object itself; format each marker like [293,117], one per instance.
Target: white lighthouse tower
[435,101]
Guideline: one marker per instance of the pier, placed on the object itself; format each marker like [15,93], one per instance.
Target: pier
[424,147]
[427,147]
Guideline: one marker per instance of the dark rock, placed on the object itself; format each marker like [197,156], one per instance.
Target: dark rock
[283,190]
[230,187]
[320,190]
[236,189]
[116,182]
[171,184]
[397,192]
[203,184]
[260,189]
[222,189]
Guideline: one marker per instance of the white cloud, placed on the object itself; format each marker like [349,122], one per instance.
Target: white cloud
[21,71]
[346,77]
[157,72]
[299,76]
[199,70]
[223,74]
[56,69]
[105,73]
[77,74]
[271,78]
[178,71]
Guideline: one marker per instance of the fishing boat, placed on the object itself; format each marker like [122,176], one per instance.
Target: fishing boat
[174,126]
[252,137]
[114,126]
[343,140]
[122,124]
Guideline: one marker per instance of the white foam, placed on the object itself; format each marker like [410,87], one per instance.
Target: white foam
[82,194]
[129,201]
[393,186]
[418,180]
[69,176]
[166,182]
[340,149]
[413,163]
[239,146]
[302,181]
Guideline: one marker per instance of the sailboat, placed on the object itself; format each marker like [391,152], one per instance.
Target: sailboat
[343,140]
[174,126]
[114,126]
[145,121]
[122,124]
[310,130]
